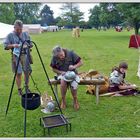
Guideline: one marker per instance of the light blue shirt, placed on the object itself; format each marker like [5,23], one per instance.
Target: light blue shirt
[13,38]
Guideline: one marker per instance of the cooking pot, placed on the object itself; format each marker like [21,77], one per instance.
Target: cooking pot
[33,101]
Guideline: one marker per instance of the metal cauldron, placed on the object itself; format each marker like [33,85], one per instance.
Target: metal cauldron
[33,101]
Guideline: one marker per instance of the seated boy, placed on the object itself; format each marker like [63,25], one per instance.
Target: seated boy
[117,83]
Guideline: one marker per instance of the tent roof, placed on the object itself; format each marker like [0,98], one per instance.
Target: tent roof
[5,29]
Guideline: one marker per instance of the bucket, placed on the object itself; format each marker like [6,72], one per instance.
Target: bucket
[33,101]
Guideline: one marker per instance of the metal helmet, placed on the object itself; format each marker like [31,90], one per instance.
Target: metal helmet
[51,106]
[69,76]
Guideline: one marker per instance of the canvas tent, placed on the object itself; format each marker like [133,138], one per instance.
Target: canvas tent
[5,29]
[32,28]
[134,41]
[52,28]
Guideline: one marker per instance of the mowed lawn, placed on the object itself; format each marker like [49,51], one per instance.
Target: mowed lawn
[112,117]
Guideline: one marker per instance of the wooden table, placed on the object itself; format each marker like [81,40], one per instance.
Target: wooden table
[96,81]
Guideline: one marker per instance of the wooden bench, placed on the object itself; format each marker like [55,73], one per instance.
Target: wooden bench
[96,81]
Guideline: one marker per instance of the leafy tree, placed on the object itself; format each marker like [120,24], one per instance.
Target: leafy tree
[71,15]
[46,16]
[7,13]
[83,24]
[94,18]
[109,15]
[59,21]
[106,14]
[27,12]
[131,13]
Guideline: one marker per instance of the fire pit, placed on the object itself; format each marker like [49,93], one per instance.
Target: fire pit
[54,121]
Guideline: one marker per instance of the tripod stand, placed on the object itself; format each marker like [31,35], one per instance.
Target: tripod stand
[27,53]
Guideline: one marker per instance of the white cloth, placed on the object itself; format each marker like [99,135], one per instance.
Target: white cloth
[74,83]
[138,73]
[16,51]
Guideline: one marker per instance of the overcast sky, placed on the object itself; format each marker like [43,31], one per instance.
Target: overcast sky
[84,7]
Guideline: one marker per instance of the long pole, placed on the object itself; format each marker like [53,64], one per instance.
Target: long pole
[25,113]
[10,95]
[27,63]
[115,92]
[47,76]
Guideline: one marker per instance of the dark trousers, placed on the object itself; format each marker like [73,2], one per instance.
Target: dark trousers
[116,88]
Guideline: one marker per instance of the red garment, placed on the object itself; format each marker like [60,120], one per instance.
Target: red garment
[134,41]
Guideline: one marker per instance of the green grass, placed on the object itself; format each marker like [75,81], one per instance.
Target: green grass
[113,117]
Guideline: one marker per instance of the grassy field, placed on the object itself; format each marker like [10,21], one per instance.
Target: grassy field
[113,117]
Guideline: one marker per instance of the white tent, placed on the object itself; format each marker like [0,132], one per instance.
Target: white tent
[53,28]
[32,28]
[5,29]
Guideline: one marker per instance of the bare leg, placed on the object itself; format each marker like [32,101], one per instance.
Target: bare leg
[75,100]
[18,80]
[27,77]
[63,88]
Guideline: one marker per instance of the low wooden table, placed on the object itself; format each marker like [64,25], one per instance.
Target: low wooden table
[96,81]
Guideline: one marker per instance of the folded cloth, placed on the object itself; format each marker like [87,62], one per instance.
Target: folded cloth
[74,84]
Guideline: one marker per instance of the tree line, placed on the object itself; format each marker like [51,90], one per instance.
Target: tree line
[102,15]
[113,14]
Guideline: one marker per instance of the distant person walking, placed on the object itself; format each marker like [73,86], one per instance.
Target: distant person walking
[76,32]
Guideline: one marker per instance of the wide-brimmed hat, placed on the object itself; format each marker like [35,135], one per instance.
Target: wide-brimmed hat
[71,76]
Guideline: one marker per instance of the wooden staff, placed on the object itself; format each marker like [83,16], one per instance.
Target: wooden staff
[113,93]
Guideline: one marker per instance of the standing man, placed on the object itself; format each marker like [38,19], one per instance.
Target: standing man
[63,61]
[14,42]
